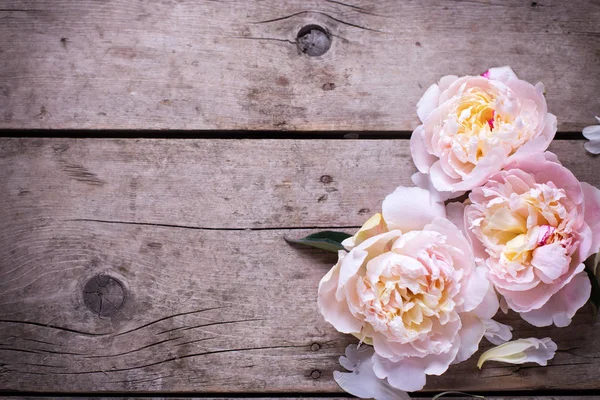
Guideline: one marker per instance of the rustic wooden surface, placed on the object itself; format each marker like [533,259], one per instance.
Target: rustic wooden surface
[205,65]
[215,300]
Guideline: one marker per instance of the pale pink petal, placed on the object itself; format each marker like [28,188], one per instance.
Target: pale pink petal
[502,74]
[428,102]
[446,81]
[405,375]
[489,305]
[422,158]
[563,305]
[497,333]
[591,196]
[525,301]
[550,261]
[424,182]
[455,212]
[470,334]
[475,289]
[336,312]
[411,208]
[361,381]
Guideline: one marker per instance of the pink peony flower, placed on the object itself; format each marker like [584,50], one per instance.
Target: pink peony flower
[409,286]
[475,125]
[535,224]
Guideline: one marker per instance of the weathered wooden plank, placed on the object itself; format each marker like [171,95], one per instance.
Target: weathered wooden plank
[168,64]
[210,306]
[215,184]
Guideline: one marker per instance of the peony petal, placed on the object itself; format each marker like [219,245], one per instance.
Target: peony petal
[521,351]
[422,158]
[428,102]
[374,226]
[455,212]
[470,334]
[593,146]
[497,333]
[490,304]
[563,305]
[475,289]
[592,132]
[591,200]
[424,182]
[502,74]
[336,312]
[362,381]
[404,375]
[411,208]
[550,262]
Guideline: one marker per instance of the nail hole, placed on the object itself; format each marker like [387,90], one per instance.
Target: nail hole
[315,346]
[313,40]
[315,374]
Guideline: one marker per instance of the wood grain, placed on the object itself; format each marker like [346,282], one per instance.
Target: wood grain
[216,301]
[205,65]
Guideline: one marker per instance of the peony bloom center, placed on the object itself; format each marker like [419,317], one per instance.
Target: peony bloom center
[481,119]
[514,228]
[405,298]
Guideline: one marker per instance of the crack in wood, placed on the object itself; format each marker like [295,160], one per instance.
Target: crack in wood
[171,359]
[357,8]
[133,351]
[318,13]
[170,317]
[204,228]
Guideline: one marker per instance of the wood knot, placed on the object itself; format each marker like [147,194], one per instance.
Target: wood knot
[326,179]
[315,346]
[313,40]
[315,374]
[104,295]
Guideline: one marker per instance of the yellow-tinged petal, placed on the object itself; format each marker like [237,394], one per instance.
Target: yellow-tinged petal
[521,351]
[374,226]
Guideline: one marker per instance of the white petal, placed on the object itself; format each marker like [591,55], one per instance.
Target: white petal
[561,307]
[362,381]
[592,132]
[411,208]
[521,351]
[593,146]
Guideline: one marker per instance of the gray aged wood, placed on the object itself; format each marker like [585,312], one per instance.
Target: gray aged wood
[215,300]
[203,64]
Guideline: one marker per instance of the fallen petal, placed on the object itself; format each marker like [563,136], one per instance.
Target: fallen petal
[521,351]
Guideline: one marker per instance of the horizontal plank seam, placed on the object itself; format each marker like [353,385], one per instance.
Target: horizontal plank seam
[227,134]
[508,394]
[203,228]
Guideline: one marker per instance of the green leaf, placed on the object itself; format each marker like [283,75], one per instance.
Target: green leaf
[595,294]
[437,396]
[326,240]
